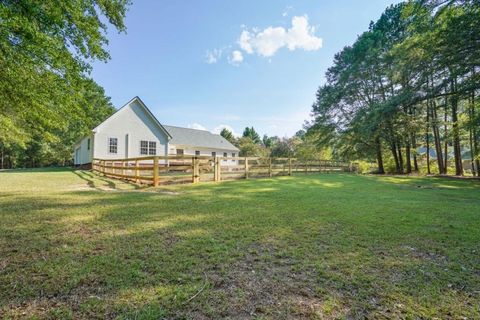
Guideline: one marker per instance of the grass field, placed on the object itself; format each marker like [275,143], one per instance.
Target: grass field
[73,245]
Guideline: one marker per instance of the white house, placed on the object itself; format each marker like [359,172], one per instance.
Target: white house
[133,131]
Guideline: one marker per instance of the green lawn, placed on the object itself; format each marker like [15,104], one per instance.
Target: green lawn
[73,245]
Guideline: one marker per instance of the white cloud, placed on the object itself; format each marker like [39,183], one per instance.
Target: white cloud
[215,130]
[213,56]
[244,41]
[219,128]
[197,126]
[268,41]
[236,58]
[287,9]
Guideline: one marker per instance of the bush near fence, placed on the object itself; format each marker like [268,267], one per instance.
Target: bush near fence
[182,169]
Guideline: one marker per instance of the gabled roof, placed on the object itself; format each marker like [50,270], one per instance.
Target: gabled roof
[198,138]
[183,136]
[144,106]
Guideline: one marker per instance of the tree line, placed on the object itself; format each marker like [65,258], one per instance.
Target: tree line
[47,98]
[405,94]
[299,145]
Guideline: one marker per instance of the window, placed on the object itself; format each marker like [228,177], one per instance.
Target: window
[214,154]
[143,147]
[197,153]
[112,145]
[148,147]
[152,148]
[233,154]
[225,154]
[88,144]
[179,152]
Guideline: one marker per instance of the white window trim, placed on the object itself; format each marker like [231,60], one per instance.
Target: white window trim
[148,148]
[108,144]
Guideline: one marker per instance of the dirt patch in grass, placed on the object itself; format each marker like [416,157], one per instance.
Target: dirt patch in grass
[264,283]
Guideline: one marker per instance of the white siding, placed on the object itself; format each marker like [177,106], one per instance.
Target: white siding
[82,154]
[190,151]
[129,125]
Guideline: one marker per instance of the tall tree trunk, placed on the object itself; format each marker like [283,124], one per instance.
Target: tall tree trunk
[393,148]
[475,150]
[445,135]
[436,138]
[476,147]
[378,146]
[408,156]
[414,146]
[408,152]
[456,135]
[400,157]
[472,157]
[471,113]
[427,138]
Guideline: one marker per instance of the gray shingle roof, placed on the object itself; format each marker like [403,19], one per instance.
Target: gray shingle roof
[198,138]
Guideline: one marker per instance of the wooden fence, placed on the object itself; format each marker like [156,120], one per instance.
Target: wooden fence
[181,169]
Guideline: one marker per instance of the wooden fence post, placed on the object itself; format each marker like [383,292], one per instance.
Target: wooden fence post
[196,170]
[270,167]
[289,166]
[193,169]
[219,171]
[246,167]
[155,171]
[215,169]
[137,172]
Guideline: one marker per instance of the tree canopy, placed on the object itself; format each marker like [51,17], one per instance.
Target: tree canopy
[227,134]
[47,99]
[252,134]
[406,91]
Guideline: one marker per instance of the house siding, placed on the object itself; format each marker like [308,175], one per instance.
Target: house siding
[130,125]
[82,155]
[134,123]
[190,151]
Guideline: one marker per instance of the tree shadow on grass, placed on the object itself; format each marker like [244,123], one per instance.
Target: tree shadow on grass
[37,170]
[93,179]
[264,255]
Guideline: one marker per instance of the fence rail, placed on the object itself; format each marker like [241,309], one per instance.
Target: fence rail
[181,169]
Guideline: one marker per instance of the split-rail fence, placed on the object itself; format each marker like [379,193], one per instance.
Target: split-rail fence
[182,169]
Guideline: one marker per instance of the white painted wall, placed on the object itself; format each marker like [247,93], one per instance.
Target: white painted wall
[82,154]
[190,151]
[129,125]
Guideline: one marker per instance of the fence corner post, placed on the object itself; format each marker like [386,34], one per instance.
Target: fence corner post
[246,167]
[155,171]
[289,166]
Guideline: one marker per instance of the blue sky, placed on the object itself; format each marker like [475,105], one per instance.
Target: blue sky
[218,63]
